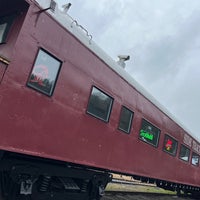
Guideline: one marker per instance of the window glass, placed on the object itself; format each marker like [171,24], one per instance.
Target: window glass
[195,159]
[100,104]
[44,73]
[149,133]
[5,25]
[3,68]
[125,121]
[170,145]
[184,153]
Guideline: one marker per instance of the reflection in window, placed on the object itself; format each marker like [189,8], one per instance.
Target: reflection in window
[184,153]
[149,133]
[100,104]
[44,73]
[195,159]
[5,25]
[125,120]
[170,145]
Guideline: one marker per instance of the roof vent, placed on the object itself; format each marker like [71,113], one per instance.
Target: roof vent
[66,7]
[122,59]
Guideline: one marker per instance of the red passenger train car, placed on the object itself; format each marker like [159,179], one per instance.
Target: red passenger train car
[70,115]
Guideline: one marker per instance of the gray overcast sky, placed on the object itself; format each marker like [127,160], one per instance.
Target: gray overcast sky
[163,39]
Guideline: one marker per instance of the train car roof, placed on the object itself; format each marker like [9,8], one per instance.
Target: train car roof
[85,38]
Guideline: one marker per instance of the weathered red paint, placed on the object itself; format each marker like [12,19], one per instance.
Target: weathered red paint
[58,127]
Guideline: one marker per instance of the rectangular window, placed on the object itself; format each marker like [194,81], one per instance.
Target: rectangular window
[44,73]
[5,25]
[125,120]
[184,153]
[149,133]
[195,159]
[170,145]
[100,104]
[3,68]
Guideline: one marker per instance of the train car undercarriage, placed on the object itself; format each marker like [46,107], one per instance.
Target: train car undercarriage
[26,177]
[29,178]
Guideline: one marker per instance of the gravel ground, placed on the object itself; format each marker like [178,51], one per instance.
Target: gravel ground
[138,196]
[142,197]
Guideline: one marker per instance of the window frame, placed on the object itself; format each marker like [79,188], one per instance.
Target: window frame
[182,145]
[110,106]
[3,68]
[146,141]
[8,20]
[50,93]
[196,165]
[172,138]
[130,120]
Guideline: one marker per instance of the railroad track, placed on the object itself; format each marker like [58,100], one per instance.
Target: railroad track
[132,182]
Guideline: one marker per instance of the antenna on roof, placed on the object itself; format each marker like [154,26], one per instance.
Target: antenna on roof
[122,59]
[53,5]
